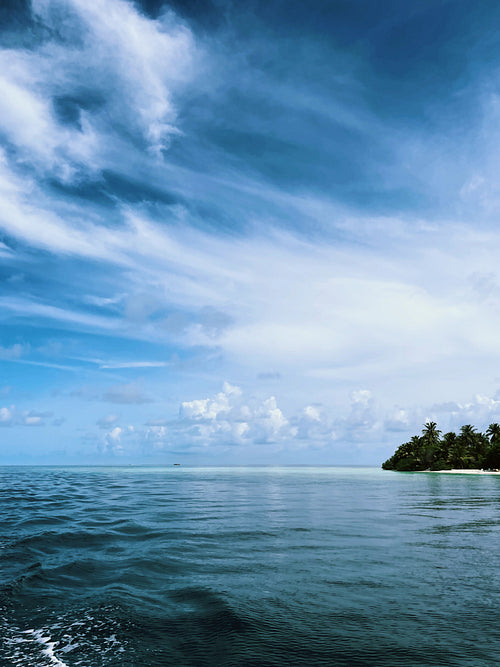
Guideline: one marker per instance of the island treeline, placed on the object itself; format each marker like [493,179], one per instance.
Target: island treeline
[467,449]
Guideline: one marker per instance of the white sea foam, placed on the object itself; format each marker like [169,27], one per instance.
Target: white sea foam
[38,636]
[465,471]
[37,647]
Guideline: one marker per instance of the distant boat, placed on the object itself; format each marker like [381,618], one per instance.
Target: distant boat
[176,464]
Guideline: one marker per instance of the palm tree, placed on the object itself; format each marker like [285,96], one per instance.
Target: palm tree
[431,431]
[467,431]
[492,457]
[493,432]
[456,451]
[415,443]
[405,456]
[467,438]
[444,451]
[430,441]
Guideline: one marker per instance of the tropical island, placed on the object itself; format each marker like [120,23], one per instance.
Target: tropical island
[469,449]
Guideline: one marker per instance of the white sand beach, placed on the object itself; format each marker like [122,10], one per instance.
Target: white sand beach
[472,471]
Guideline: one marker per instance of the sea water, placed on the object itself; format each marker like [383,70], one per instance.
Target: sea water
[255,566]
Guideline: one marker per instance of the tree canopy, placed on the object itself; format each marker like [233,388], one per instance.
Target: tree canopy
[465,450]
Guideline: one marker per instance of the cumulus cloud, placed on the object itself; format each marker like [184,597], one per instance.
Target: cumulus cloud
[211,408]
[399,420]
[227,418]
[6,416]
[402,422]
[114,441]
[480,411]
[233,419]
[312,412]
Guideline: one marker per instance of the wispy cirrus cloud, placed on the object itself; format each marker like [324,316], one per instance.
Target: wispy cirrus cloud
[67,101]
[16,351]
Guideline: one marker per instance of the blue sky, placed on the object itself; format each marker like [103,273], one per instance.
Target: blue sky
[260,232]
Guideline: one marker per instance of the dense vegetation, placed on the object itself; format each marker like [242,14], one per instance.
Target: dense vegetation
[430,451]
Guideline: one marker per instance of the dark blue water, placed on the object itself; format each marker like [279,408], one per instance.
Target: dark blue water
[248,566]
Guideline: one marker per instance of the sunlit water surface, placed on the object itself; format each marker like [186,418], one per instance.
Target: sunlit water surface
[248,566]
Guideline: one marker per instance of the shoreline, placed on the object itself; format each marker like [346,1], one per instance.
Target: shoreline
[465,471]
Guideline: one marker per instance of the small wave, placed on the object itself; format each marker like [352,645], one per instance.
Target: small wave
[211,608]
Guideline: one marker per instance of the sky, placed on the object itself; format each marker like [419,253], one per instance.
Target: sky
[244,233]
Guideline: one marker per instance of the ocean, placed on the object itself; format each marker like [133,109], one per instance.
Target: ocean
[255,566]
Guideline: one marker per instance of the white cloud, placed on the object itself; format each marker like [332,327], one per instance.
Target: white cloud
[134,364]
[31,420]
[211,408]
[6,416]
[227,418]
[357,312]
[115,433]
[270,423]
[112,441]
[14,352]
[116,68]
[353,316]
[107,421]
[13,416]
[32,308]
[312,412]
[119,440]
[364,431]
[399,419]
[27,121]
[231,418]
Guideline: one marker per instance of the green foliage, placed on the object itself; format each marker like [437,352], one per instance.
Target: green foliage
[467,449]
[492,458]
[440,464]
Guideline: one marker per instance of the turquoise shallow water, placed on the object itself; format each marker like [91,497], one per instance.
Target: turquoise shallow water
[248,566]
